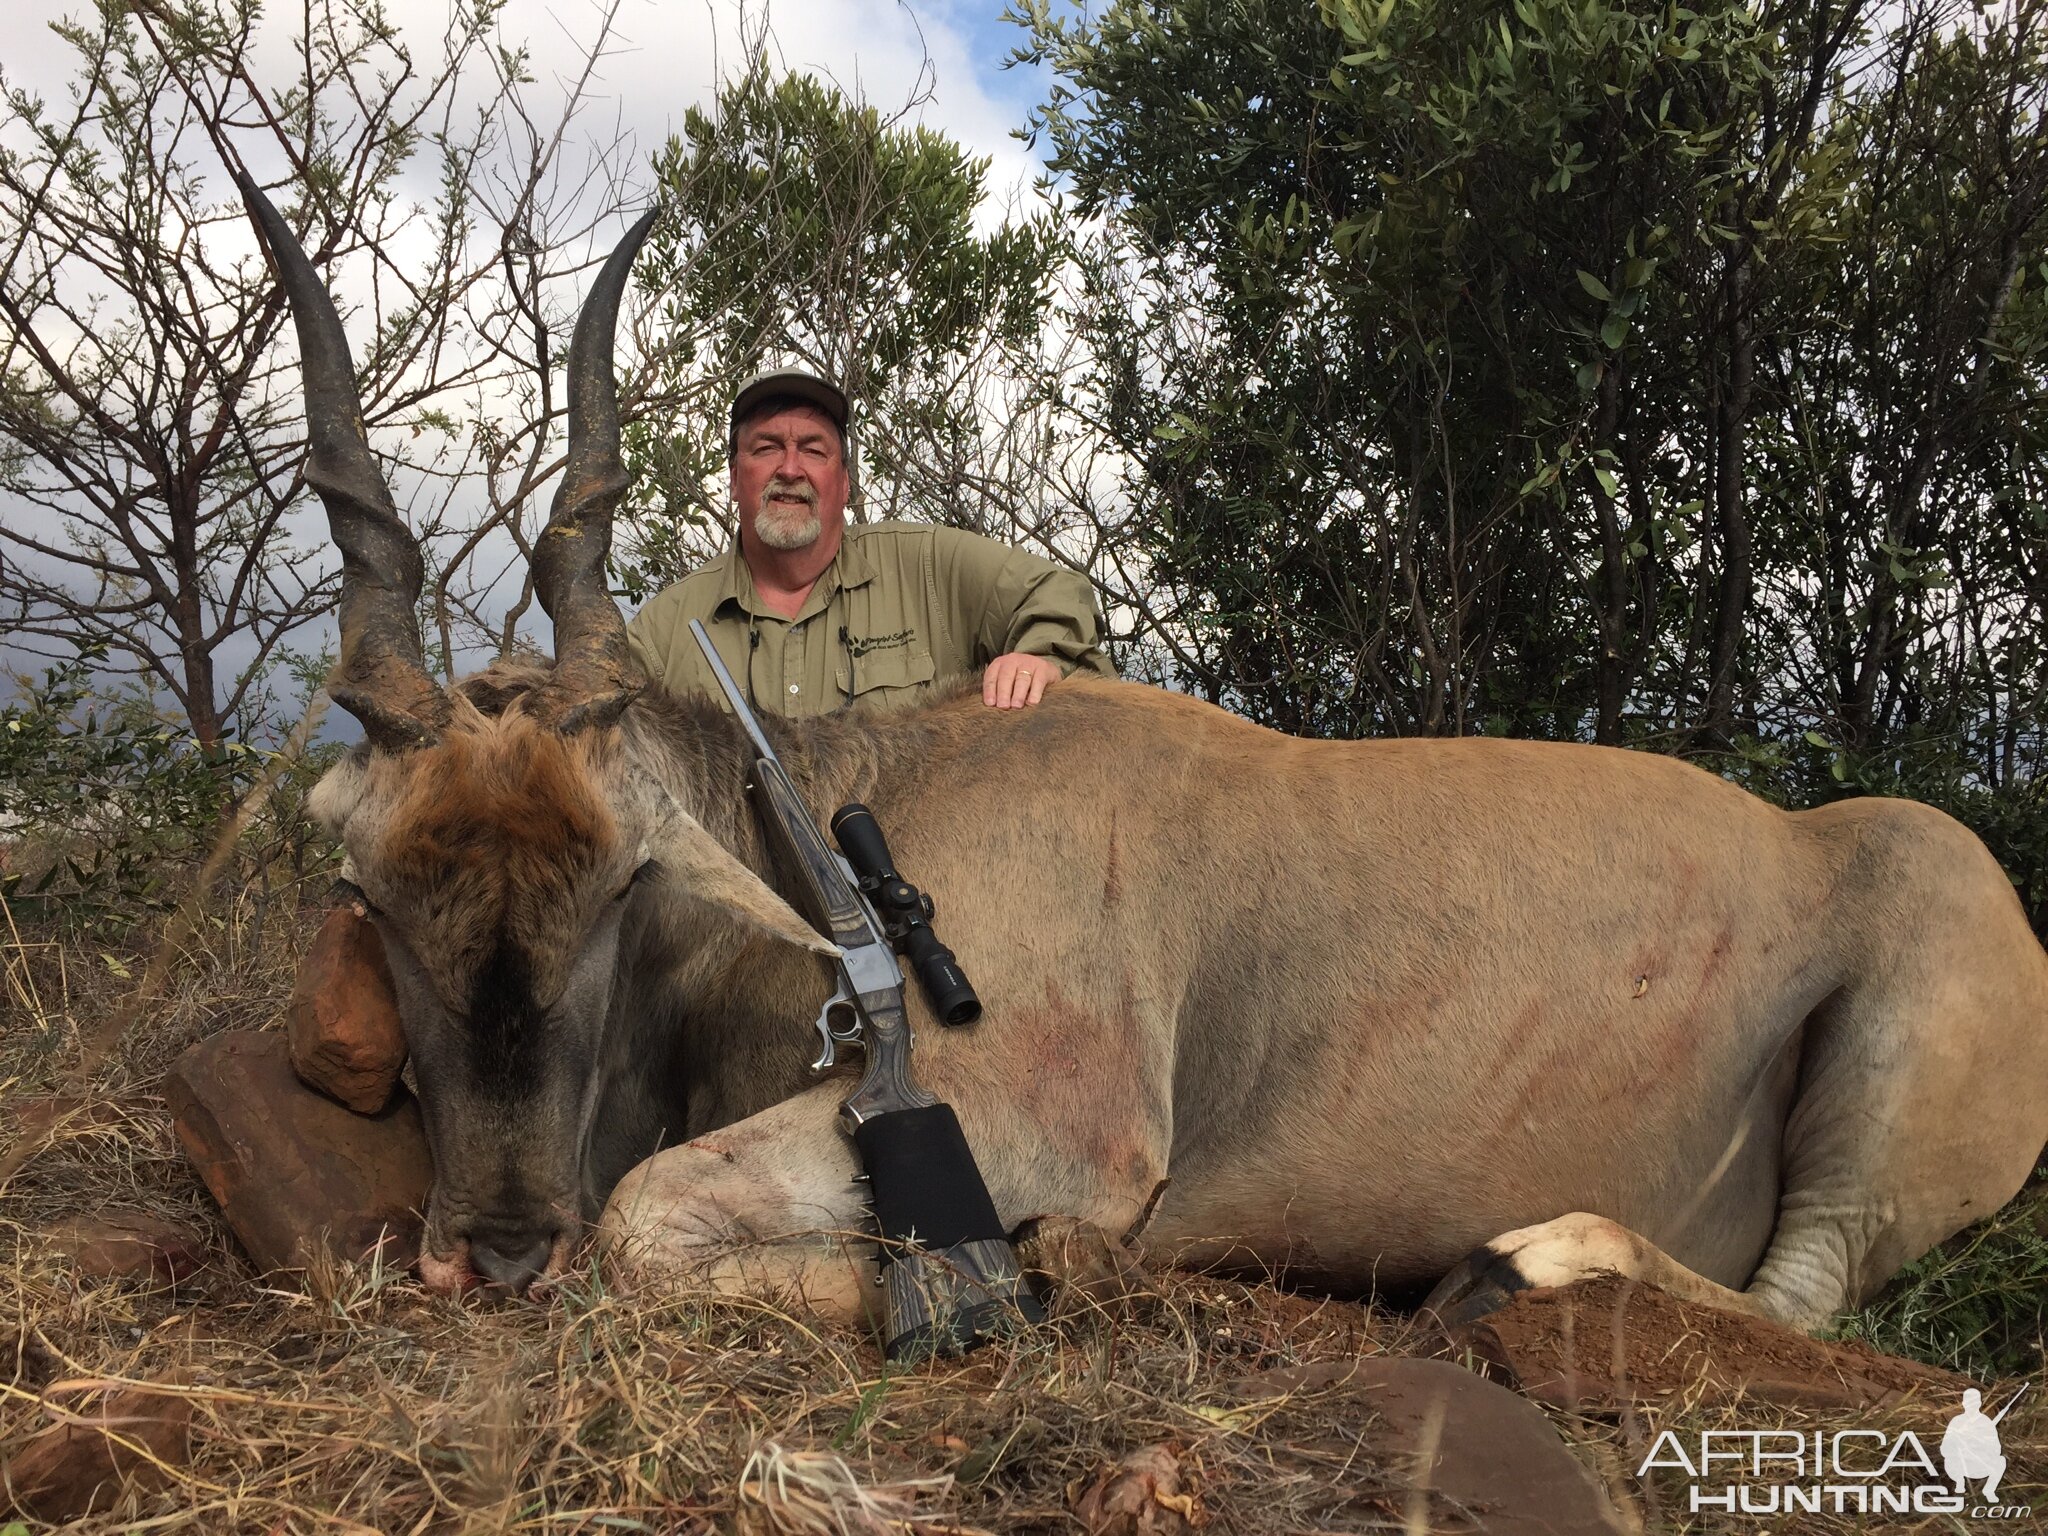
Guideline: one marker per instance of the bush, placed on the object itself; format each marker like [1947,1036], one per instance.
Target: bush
[108,809]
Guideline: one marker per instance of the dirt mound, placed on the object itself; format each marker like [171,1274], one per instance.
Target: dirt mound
[1605,1341]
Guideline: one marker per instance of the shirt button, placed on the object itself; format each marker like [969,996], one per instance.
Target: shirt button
[793,688]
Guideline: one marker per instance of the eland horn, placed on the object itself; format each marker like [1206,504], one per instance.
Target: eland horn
[591,683]
[381,678]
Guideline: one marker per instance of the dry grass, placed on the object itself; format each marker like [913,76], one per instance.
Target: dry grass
[361,1404]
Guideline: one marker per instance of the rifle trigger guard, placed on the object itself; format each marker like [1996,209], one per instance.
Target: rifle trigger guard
[828,1048]
[838,1024]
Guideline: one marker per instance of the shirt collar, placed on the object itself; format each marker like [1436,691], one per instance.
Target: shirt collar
[854,566]
[851,567]
[735,581]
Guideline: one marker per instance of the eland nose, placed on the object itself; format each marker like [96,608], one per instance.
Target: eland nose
[511,1257]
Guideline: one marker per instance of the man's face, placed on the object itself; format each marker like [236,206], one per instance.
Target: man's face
[789,477]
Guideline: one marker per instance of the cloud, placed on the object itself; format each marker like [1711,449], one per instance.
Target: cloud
[668,55]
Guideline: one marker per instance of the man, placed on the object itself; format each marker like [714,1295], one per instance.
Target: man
[810,613]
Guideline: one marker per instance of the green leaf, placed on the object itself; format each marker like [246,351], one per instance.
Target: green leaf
[1614,332]
[1594,286]
[1608,482]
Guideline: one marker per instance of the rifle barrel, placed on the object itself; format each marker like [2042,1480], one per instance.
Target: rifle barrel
[732,692]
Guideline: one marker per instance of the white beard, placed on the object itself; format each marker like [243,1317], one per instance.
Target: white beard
[787,525]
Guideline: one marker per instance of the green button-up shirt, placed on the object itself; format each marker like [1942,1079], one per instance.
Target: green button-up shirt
[902,606]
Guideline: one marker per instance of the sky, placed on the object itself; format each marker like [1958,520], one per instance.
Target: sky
[665,56]
[671,51]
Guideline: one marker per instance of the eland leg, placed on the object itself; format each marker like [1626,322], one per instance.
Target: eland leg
[1922,1101]
[766,1207]
[770,1205]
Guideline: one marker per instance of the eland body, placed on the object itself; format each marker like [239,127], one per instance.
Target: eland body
[1473,1014]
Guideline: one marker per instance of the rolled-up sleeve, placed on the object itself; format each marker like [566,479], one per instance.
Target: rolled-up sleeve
[1014,601]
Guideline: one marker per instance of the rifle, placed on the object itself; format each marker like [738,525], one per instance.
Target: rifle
[950,1276]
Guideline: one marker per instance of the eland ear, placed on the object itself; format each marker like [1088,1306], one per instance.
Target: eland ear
[712,874]
[336,795]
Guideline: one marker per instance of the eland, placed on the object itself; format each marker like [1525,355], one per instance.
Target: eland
[1469,1014]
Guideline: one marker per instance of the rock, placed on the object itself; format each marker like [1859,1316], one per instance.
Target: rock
[1490,1455]
[1604,1341]
[130,1245]
[1142,1495]
[107,1441]
[343,1018]
[295,1174]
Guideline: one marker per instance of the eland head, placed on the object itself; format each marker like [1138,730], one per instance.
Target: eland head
[501,831]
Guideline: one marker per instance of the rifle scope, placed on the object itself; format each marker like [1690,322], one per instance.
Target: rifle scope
[906,914]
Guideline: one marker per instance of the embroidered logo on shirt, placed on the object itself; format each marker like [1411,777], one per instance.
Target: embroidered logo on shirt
[860,648]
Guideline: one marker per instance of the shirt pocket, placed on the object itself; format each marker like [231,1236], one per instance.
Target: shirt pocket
[888,674]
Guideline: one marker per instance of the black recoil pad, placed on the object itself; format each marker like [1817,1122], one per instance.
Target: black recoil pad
[950,1272]
[924,1178]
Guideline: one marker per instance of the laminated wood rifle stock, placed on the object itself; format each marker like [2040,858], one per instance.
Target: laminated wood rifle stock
[950,1273]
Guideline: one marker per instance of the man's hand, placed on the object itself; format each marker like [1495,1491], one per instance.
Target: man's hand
[1015,680]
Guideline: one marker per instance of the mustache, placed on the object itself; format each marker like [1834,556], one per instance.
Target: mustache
[803,491]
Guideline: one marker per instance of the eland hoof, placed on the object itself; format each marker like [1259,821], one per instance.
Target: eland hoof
[1483,1281]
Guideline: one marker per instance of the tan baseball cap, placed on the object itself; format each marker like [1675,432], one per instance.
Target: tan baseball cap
[807,387]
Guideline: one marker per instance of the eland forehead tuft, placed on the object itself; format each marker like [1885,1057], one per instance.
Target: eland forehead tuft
[502,834]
